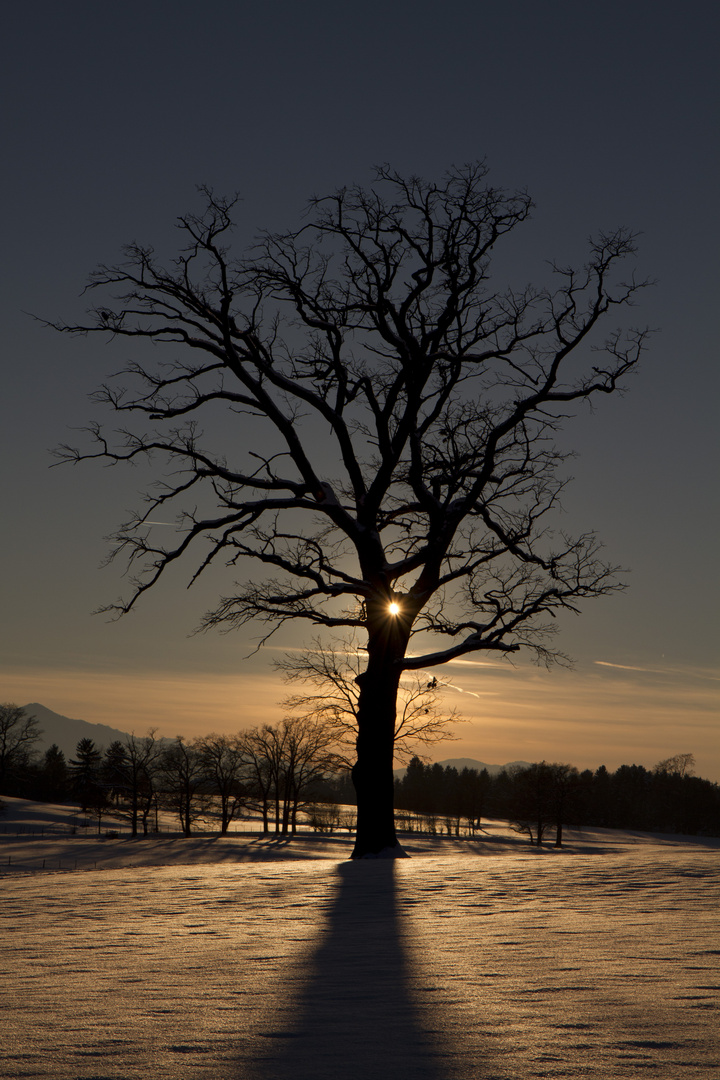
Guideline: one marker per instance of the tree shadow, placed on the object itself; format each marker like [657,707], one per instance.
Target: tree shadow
[356,1018]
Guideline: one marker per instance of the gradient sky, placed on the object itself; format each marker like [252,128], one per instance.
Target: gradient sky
[606,112]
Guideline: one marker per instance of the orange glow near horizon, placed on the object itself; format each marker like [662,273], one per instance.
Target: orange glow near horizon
[589,718]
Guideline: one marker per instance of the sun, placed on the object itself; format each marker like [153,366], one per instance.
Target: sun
[394,608]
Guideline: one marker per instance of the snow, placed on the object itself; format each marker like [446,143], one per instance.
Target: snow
[258,959]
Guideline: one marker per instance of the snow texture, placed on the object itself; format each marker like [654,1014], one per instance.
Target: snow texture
[598,961]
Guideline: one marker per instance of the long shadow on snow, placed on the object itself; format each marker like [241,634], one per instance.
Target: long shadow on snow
[356,1018]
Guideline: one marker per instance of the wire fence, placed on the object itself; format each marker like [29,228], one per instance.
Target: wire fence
[108,851]
[87,829]
[29,866]
[116,830]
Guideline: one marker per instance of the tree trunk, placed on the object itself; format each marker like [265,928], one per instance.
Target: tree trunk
[145,813]
[372,774]
[286,811]
[134,808]
[186,814]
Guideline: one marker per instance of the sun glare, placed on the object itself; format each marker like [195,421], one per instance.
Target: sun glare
[394,609]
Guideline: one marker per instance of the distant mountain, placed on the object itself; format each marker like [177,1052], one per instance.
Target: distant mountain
[67,733]
[471,763]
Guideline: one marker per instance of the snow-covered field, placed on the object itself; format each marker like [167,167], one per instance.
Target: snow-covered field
[261,960]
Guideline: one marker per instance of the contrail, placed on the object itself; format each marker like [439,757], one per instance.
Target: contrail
[659,671]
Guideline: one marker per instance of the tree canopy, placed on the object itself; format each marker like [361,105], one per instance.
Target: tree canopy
[394,466]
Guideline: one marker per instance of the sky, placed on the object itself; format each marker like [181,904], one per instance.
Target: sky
[605,112]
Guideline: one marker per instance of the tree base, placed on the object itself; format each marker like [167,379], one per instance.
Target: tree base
[393,852]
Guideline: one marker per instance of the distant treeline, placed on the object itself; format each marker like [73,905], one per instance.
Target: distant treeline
[544,797]
[272,772]
[278,771]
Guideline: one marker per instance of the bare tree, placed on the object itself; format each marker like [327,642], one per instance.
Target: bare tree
[333,671]
[225,770]
[679,765]
[286,763]
[310,759]
[257,753]
[183,782]
[18,734]
[140,769]
[395,467]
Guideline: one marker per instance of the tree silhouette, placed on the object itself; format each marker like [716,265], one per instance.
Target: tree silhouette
[138,771]
[53,777]
[114,771]
[533,803]
[85,772]
[225,769]
[394,466]
[331,672]
[18,734]
[285,764]
[183,782]
[679,765]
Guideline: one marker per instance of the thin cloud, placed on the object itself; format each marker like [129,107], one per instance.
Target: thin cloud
[478,663]
[628,667]
[687,673]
